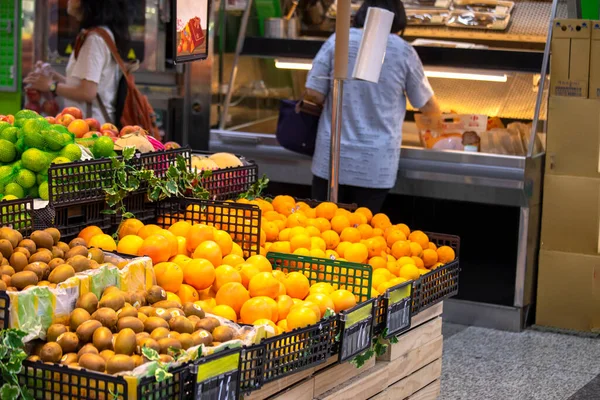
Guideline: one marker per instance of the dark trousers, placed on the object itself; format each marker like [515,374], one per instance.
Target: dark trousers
[365,197]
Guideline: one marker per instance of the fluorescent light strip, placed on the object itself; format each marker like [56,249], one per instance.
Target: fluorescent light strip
[305,66]
[466,76]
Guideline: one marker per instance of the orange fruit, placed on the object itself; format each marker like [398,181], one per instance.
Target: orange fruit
[279,275]
[419,237]
[182,245]
[385,272]
[232,294]
[225,274]
[326,210]
[312,231]
[415,249]
[377,280]
[285,208]
[323,224]
[300,242]
[318,243]
[272,215]
[282,199]
[405,260]
[432,246]
[169,276]
[284,304]
[430,257]
[404,228]
[400,249]
[311,305]
[225,311]
[130,226]
[223,239]
[261,262]
[207,294]
[331,254]
[322,300]
[375,246]
[394,236]
[321,287]
[393,267]
[264,284]
[210,251]
[297,230]
[130,244]
[171,239]
[437,265]
[148,230]
[296,285]
[341,248]
[366,212]
[351,235]
[180,228]
[378,262]
[301,317]
[233,260]
[237,250]
[409,271]
[247,271]
[446,254]
[187,294]
[282,325]
[271,231]
[88,232]
[255,309]
[155,247]
[173,297]
[342,211]
[356,252]
[356,219]
[418,262]
[296,219]
[284,234]
[383,287]
[180,259]
[366,231]
[301,252]
[380,221]
[199,273]
[399,280]
[206,305]
[281,247]
[317,253]
[331,238]
[274,307]
[271,324]
[197,234]
[339,223]
[103,241]
[377,232]
[342,300]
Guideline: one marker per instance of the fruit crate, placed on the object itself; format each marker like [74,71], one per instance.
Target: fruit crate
[17,214]
[252,367]
[139,206]
[4,309]
[70,220]
[393,311]
[179,386]
[159,162]
[440,283]
[216,376]
[229,183]
[355,329]
[241,221]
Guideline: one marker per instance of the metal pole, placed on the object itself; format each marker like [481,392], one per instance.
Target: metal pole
[238,49]
[340,72]
[187,104]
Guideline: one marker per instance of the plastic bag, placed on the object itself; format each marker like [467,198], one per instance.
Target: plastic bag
[451,131]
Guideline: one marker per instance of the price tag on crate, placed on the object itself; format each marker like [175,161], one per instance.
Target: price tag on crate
[398,309]
[218,378]
[356,330]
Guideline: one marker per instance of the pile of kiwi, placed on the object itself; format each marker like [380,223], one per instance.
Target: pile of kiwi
[108,334]
[42,259]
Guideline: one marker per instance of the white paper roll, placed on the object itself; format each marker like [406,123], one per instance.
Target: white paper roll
[373,44]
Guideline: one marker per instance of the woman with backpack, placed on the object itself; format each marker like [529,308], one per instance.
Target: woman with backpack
[92,76]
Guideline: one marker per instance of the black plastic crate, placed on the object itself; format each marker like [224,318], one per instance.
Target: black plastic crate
[4,309]
[71,220]
[160,161]
[394,310]
[355,329]
[79,182]
[180,386]
[251,368]
[217,377]
[241,221]
[17,214]
[139,206]
[229,183]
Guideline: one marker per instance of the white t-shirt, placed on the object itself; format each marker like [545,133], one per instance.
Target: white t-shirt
[96,64]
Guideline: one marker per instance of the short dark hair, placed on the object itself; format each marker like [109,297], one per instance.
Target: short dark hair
[112,14]
[395,6]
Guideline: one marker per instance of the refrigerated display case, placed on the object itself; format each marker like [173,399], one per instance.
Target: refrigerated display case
[503,74]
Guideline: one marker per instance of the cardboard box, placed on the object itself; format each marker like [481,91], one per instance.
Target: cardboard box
[568,295]
[594,90]
[570,63]
[570,212]
[573,140]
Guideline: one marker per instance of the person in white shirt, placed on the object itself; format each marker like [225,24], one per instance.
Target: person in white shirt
[94,72]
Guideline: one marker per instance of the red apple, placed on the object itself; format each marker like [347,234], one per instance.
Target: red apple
[34,106]
[129,129]
[33,95]
[110,126]
[91,134]
[65,119]
[74,111]
[108,132]
[50,107]
[93,124]
[172,145]
[7,118]
[52,120]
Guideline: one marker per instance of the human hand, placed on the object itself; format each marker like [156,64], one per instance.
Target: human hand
[38,81]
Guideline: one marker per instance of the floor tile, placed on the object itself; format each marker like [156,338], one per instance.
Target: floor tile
[591,391]
[450,329]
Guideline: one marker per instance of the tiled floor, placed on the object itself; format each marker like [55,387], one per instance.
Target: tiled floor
[484,364]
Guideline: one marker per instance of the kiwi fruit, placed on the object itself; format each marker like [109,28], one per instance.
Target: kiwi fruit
[29,287]
[7,270]
[181,324]
[87,329]
[42,239]
[22,250]
[115,301]
[68,342]
[176,312]
[57,252]
[88,348]
[173,334]
[202,337]
[138,299]
[69,358]
[159,333]
[54,331]
[126,297]
[78,317]
[106,354]
[96,254]
[141,336]
[110,289]
[92,362]
[148,311]
[166,304]
[142,317]
[61,273]
[89,302]
[164,314]
[54,233]
[63,246]
[39,268]
[19,261]
[6,279]
[103,339]
[43,283]
[77,251]
[127,311]
[208,324]
[222,333]
[194,319]
[22,279]
[79,263]
[94,264]
[3,261]
[190,309]
[119,363]
[156,294]
[106,316]
[186,340]
[155,322]
[41,256]
[125,342]
[77,242]
[14,237]
[130,322]
[51,352]
[150,343]
[29,245]
[3,285]
[137,360]
[55,263]
[6,248]
[165,358]
[167,343]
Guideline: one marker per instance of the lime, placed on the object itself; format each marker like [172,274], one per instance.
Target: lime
[72,152]
[103,147]
[34,126]
[4,125]
[9,197]
[15,190]
[11,134]
[43,190]
[59,128]
[26,114]
[35,160]
[61,160]
[8,152]
[25,179]
[53,140]
[40,178]
[33,140]
[33,192]
[5,173]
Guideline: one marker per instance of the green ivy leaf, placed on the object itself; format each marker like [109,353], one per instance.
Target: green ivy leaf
[127,215]
[108,212]
[13,338]
[171,187]
[150,354]
[162,375]
[172,172]
[328,313]
[128,153]
[9,392]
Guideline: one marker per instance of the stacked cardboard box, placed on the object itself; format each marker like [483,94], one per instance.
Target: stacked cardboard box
[569,264]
